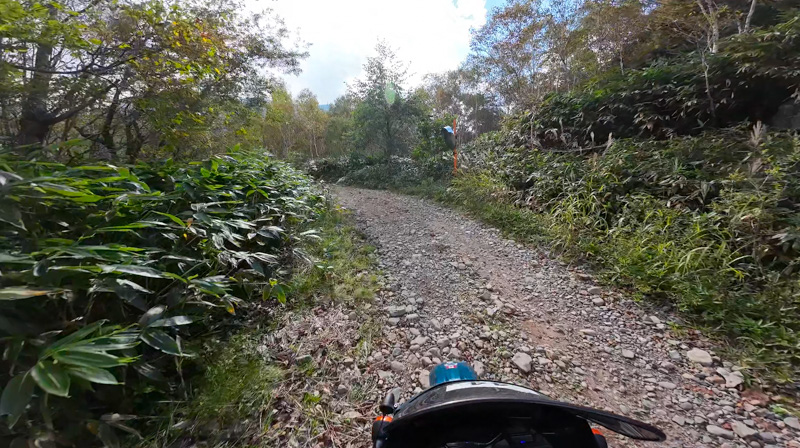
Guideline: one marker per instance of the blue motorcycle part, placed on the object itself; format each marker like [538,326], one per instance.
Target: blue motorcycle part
[452,371]
[449,137]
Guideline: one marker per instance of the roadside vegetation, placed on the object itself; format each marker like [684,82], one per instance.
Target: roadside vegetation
[249,379]
[135,297]
[672,172]
[114,276]
[150,242]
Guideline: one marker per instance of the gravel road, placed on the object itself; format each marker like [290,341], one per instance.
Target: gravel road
[458,290]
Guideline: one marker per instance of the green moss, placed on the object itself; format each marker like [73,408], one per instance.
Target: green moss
[237,382]
[343,267]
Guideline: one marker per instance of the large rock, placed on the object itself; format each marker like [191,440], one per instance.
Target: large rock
[397,366]
[792,422]
[732,379]
[720,432]
[420,340]
[768,437]
[479,368]
[522,361]
[787,117]
[699,356]
[397,311]
[352,415]
[425,379]
[743,430]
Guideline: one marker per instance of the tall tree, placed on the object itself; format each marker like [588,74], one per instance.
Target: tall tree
[507,53]
[385,117]
[312,122]
[454,94]
[161,72]
[613,30]
[339,132]
[279,132]
[562,41]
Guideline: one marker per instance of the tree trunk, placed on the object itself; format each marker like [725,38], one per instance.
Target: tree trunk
[712,108]
[105,132]
[33,121]
[710,12]
[715,35]
[32,130]
[749,16]
[133,141]
[389,142]
[286,142]
[33,124]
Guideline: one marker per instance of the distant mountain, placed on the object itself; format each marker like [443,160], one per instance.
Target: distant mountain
[325,107]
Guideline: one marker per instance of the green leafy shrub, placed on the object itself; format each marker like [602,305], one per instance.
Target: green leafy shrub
[334,168]
[111,275]
[399,173]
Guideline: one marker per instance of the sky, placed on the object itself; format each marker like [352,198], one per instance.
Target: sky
[432,36]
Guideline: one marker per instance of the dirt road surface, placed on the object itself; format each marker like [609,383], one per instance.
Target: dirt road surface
[459,290]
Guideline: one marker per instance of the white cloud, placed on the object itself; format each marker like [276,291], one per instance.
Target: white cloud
[430,35]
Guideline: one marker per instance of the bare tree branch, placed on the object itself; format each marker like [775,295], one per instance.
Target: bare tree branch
[77,109]
[101,70]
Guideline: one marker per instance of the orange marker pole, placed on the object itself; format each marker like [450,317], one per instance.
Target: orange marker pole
[455,149]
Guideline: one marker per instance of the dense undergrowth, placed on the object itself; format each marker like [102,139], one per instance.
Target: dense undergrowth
[748,79]
[708,224]
[377,171]
[234,399]
[115,277]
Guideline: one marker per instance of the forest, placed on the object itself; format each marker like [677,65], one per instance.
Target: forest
[161,188]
